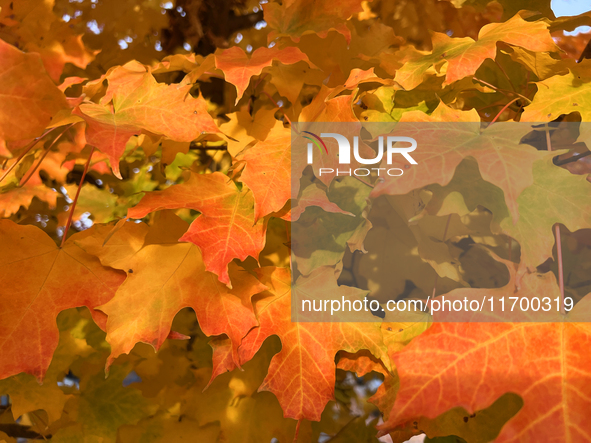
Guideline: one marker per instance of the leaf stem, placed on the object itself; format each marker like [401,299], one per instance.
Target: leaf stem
[297,431]
[25,152]
[26,179]
[506,76]
[558,239]
[502,91]
[364,182]
[73,207]
[494,105]
[260,79]
[503,110]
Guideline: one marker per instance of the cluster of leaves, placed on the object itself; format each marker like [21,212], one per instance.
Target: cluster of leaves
[150,205]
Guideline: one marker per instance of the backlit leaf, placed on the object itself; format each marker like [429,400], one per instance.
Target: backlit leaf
[226,228]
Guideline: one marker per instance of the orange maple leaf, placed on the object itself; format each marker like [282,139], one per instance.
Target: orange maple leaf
[30,99]
[268,171]
[302,374]
[135,102]
[39,280]
[163,277]
[238,68]
[473,364]
[226,228]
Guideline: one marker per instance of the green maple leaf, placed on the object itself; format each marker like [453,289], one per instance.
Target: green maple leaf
[562,94]
[556,196]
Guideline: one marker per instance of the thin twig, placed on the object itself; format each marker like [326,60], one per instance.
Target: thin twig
[26,179]
[502,91]
[503,110]
[363,181]
[73,207]
[506,76]
[25,152]
[261,78]
[494,105]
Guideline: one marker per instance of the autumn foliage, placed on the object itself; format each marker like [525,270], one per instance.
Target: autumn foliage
[147,204]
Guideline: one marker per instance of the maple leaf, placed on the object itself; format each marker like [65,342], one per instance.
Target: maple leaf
[314,195]
[238,68]
[163,278]
[561,94]
[464,55]
[335,111]
[329,109]
[179,62]
[268,171]
[167,427]
[556,196]
[381,105]
[226,228]
[26,395]
[134,102]
[523,285]
[296,18]
[542,64]
[18,197]
[394,246]
[465,192]
[29,98]
[473,364]
[301,375]
[320,237]
[102,406]
[244,414]
[290,79]
[432,231]
[36,28]
[107,135]
[358,76]
[502,159]
[362,363]
[482,425]
[40,281]
[244,129]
